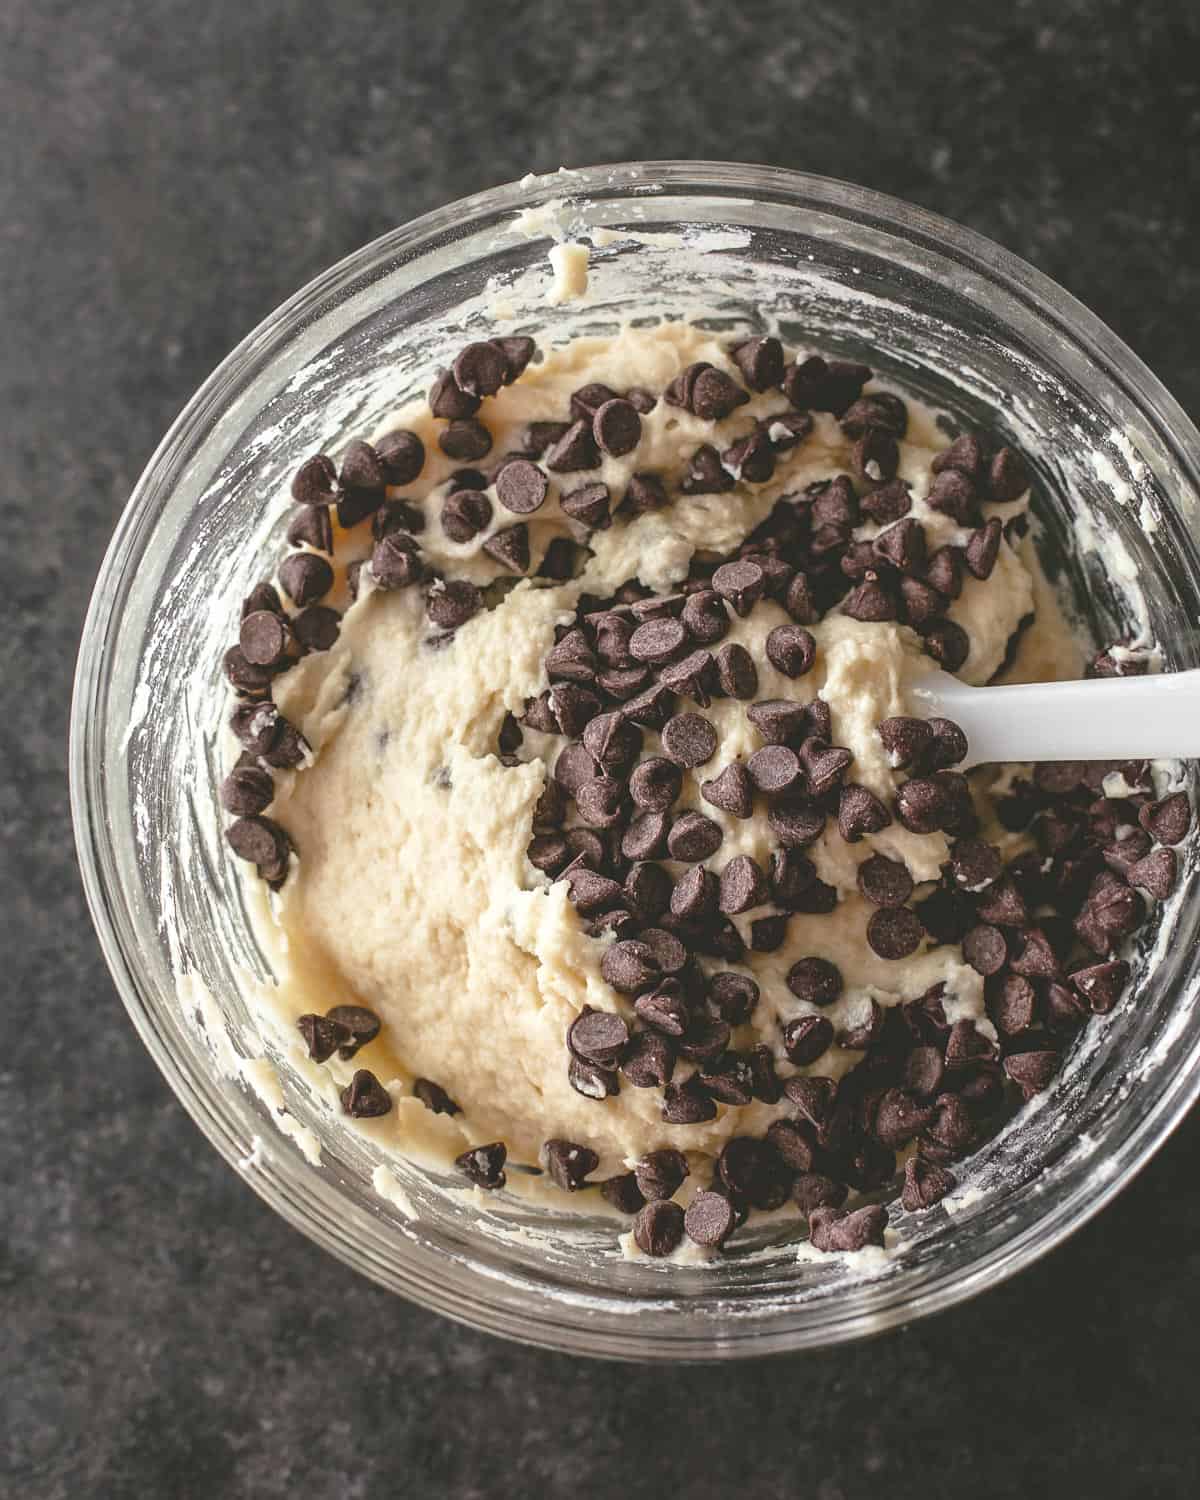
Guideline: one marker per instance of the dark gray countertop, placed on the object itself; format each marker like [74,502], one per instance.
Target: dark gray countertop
[171,172]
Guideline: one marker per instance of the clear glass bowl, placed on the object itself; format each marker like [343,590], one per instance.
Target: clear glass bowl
[947,313]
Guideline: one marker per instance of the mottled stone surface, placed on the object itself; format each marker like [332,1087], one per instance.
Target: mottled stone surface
[170,173]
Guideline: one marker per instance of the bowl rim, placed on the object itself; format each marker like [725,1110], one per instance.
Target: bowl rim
[830,196]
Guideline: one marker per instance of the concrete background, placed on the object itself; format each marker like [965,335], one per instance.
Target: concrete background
[169,173]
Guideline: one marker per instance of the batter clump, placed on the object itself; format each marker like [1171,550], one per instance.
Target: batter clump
[578,753]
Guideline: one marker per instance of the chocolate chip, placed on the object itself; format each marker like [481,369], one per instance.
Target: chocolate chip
[760,360]
[983,548]
[1168,821]
[362,468]
[1008,478]
[364,1097]
[649,1061]
[714,395]
[923,805]
[791,650]
[1032,1072]
[657,641]
[598,1036]
[705,617]
[646,836]
[434,1097]
[751,459]
[1101,984]
[590,1080]
[1156,873]
[655,784]
[484,1165]
[465,513]
[944,571]
[1036,958]
[737,674]
[480,369]
[1003,905]
[689,739]
[617,427]
[695,894]
[695,677]
[813,1191]
[923,1071]
[548,852]
[775,770]
[860,812]
[1011,1003]
[259,841]
[311,527]
[643,493]
[875,457]
[623,1193]
[894,932]
[925,1183]
[965,453]
[465,440]
[706,474]
[694,837]
[709,1220]
[669,953]
[815,384]
[658,1228]
[264,638]
[899,1117]
[815,981]
[601,804]
[870,602]
[305,578]
[884,882]
[317,627]
[687,1103]
[396,562]
[796,824]
[648,888]
[568,1164]
[256,726]
[824,764]
[806,1038]
[731,791]
[733,996]
[947,643]
[629,967]
[510,547]
[742,885]
[754,1171]
[315,481]
[953,494]
[832,1229]
[985,949]
[448,400]
[902,546]
[742,583]
[571,708]
[660,1174]
[450,605]
[574,450]
[589,505]
[965,1045]
[613,742]
[247,791]
[879,410]
[289,750]
[321,1036]
[521,487]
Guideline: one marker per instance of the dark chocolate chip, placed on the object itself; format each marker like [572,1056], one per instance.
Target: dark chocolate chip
[737,674]
[706,474]
[775,770]
[688,739]
[480,369]
[1003,905]
[983,548]
[521,487]
[1011,1003]
[899,1117]
[649,1061]
[945,571]
[923,804]
[742,886]
[264,638]
[396,562]
[709,1220]
[364,1097]
[813,1191]
[1008,478]
[361,468]
[617,427]
[648,888]
[1168,821]
[256,725]
[465,440]
[879,410]
[791,650]
[484,1165]
[447,400]
[402,456]
[1101,984]
[623,1193]
[695,894]
[247,791]
[598,1036]
[705,617]
[305,578]
[590,1080]
[568,1164]
[954,494]
[796,824]
[660,1174]
[860,812]
[590,505]
[658,1228]
[816,981]
[894,932]
[510,547]
[923,1071]
[1156,873]
[832,1229]
[870,602]
[760,360]
[965,453]
[806,1038]
[902,546]
[742,583]
[753,1170]
[315,481]
[657,641]
[687,1103]
[574,450]
[824,764]
[629,967]
[1032,1072]
[258,840]
[321,1036]
[875,456]
[316,628]
[644,492]
[465,513]
[732,791]
[985,949]
[884,882]
[694,837]
[646,836]
[925,1183]
[311,527]
[1036,958]
[655,784]
[434,1097]
[451,605]
[733,996]
[601,804]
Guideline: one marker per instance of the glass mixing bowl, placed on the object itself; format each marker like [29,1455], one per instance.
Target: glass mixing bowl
[951,316]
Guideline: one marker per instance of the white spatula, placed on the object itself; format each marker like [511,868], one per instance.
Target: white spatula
[1107,718]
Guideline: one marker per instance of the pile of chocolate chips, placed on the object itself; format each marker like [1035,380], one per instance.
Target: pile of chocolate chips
[1043,931]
